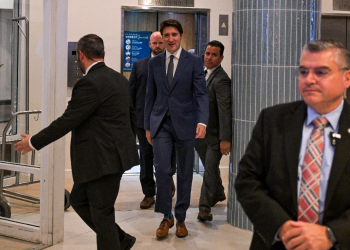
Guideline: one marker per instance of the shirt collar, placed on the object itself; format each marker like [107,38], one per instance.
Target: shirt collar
[332,117]
[209,71]
[176,54]
[87,70]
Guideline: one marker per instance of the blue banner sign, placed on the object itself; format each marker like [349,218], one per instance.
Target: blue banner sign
[135,47]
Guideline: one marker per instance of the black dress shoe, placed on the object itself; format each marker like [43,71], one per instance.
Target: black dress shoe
[127,242]
[218,199]
[205,215]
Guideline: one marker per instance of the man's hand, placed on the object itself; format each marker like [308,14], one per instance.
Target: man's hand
[225,147]
[200,131]
[298,235]
[148,136]
[23,146]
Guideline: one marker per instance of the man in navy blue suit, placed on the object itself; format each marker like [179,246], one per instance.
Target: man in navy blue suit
[138,82]
[176,112]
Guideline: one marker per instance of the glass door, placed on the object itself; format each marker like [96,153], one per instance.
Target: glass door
[19,184]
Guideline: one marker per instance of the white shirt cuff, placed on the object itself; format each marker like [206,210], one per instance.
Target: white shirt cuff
[30,143]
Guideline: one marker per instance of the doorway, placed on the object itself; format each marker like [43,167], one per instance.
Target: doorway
[196,28]
[194,21]
[337,28]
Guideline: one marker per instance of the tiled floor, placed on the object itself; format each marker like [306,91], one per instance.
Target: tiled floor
[142,224]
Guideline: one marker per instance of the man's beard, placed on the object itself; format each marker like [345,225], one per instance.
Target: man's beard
[157,51]
[81,67]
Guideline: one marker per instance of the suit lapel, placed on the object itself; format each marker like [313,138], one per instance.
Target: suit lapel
[212,76]
[159,68]
[341,157]
[292,141]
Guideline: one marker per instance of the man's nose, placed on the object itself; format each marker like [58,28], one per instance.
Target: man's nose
[311,77]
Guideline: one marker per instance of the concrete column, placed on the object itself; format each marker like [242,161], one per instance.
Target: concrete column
[54,93]
[268,36]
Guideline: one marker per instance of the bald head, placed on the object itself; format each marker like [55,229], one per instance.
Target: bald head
[156,43]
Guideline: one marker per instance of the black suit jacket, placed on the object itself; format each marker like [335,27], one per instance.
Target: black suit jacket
[266,183]
[219,125]
[101,118]
[138,83]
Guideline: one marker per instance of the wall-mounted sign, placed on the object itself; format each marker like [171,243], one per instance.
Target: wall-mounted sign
[135,47]
[180,3]
[343,5]
[223,25]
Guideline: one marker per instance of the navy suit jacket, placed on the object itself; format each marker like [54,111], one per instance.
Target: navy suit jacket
[266,183]
[103,125]
[187,98]
[138,82]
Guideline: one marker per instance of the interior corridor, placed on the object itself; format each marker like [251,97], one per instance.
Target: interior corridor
[142,224]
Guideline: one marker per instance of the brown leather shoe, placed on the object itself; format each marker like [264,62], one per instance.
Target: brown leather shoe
[205,215]
[181,230]
[173,189]
[218,199]
[164,226]
[147,202]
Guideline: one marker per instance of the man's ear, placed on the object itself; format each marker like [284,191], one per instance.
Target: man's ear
[347,78]
[81,55]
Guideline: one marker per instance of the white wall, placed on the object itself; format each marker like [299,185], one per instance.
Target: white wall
[90,16]
[327,8]
[6,4]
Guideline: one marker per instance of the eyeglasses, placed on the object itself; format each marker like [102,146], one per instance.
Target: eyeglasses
[319,73]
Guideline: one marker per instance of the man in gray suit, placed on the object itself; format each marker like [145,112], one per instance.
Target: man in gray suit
[217,141]
[103,125]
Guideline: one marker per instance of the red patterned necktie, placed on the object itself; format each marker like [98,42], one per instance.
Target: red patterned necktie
[311,174]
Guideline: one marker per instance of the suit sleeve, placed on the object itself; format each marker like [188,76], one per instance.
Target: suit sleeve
[200,93]
[82,104]
[223,98]
[266,214]
[151,93]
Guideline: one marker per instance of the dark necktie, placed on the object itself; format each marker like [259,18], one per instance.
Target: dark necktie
[311,174]
[170,72]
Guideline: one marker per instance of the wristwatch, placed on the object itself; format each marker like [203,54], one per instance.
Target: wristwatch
[331,236]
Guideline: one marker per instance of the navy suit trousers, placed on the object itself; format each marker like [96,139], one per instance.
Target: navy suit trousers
[163,143]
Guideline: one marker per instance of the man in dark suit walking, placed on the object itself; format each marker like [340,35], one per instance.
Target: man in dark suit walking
[217,140]
[138,82]
[103,124]
[293,180]
[176,112]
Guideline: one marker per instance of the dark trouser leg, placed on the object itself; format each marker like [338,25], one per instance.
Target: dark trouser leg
[162,148]
[146,164]
[185,163]
[173,161]
[94,202]
[212,184]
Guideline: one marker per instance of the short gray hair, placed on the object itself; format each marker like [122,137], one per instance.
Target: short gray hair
[322,45]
